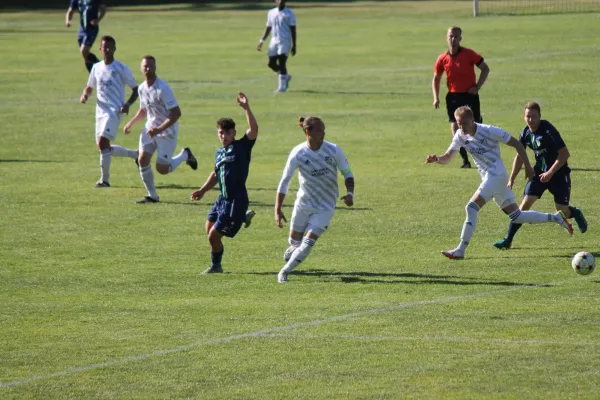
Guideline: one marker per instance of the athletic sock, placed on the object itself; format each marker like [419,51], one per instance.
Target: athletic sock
[119,151]
[148,179]
[177,160]
[105,158]
[299,254]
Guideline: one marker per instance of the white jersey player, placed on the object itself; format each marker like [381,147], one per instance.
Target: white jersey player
[281,22]
[482,141]
[317,162]
[160,132]
[109,77]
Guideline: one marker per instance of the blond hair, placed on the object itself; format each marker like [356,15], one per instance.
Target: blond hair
[308,123]
[464,111]
[532,105]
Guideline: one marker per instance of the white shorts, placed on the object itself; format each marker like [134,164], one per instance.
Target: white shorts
[494,187]
[107,126]
[164,147]
[279,49]
[305,219]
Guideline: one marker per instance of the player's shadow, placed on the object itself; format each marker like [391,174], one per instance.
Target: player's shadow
[27,161]
[260,204]
[585,169]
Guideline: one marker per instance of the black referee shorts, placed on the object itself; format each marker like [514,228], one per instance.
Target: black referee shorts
[456,100]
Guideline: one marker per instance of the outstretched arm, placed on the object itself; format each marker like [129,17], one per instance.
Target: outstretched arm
[443,159]
[139,116]
[252,131]
[210,183]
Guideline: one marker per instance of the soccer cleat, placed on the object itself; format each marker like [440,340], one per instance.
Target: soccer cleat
[562,221]
[287,82]
[282,277]
[288,253]
[249,215]
[147,199]
[451,254]
[466,165]
[213,269]
[191,161]
[580,220]
[503,244]
[101,184]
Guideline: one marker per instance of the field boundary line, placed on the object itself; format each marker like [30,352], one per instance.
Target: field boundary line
[276,329]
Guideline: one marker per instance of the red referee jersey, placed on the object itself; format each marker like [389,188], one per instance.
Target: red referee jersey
[460,69]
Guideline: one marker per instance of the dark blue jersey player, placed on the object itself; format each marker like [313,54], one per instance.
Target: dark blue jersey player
[232,163]
[552,172]
[90,14]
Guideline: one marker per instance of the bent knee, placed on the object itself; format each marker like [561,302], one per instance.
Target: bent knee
[162,169]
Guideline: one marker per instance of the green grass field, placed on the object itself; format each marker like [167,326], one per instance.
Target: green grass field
[103,298]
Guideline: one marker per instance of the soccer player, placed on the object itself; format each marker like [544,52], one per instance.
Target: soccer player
[232,165]
[317,161]
[91,13]
[282,22]
[160,133]
[552,172]
[110,77]
[482,141]
[459,64]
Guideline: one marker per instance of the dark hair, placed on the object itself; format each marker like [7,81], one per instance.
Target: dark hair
[149,57]
[307,123]
[226,124]
[532,105]
[110,39]
[455,28]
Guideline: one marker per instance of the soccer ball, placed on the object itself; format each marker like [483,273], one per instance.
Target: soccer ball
[583,263]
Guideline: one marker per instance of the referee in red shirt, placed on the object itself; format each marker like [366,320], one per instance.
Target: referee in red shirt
[463,89]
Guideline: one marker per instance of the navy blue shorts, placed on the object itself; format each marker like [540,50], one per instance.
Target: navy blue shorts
[87,36]
[228,216]
[559,186]
[456,100]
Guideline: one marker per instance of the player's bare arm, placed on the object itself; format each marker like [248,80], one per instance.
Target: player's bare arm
[443,159]
[435,88]
[68,17]
[139,116]
[279,216]
[522,155]
[263,38]
[561,159]
[293,31]
[516,168]
[174,115]
[132,98]
[349,198]
[252,131]
[210,183]
[87,92]
[485,71]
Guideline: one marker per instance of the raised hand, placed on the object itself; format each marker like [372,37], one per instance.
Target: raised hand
[242,100]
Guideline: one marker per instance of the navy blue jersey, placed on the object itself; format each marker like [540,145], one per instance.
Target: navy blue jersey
[232,166]
[88,10]
[545,143]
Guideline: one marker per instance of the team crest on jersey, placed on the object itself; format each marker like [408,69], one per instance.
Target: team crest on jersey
[328,160]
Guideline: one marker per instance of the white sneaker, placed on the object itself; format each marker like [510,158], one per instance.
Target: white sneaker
[288,253]
[282,277]
[562,221]
[453,254]
[287,81]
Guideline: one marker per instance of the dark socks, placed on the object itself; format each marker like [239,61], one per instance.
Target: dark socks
[512,231]
[464,155]
[216,257]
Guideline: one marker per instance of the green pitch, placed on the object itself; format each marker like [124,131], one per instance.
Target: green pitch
[103,298]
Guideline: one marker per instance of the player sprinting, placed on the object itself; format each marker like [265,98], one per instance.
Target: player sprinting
[160,133]
[110,77]
[482,141]
[281,21]
[91,13]
[232,164]
[551,169]
[317,162]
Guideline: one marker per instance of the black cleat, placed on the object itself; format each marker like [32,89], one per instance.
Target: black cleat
[249,215]
[466,165]
[191,161]
[147,199]
[580,220]
[101,184]
[214,269]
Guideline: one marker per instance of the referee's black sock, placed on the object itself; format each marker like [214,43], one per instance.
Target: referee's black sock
[464,155]
[90,61]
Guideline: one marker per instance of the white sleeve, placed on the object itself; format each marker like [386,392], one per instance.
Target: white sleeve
[92,79]
[269,22]
[288,173]
[499,134]
[128,77]
[456,142]
[168,98]
[342,163]
[143,102]
[292,18]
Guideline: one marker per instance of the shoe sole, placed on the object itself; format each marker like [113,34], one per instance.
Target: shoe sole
[191,161]
[569,227]
[451,256]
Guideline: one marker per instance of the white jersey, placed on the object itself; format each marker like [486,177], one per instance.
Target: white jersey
[280,23]
[110,81]
[484,148]
[157,100]
[317,175]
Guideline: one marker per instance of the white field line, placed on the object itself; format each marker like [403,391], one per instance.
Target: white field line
[267,331]
[431,339]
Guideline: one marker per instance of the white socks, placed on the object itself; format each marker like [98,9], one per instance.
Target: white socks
[105,158]
[282,82]
[119,151]
[177,160]
[532,217]
[299,254]
[148,179]
[468,227]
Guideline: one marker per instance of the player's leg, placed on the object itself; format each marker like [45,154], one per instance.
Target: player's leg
[120,151]
[454,101]
[534,217]
[230,215]
[475,204]
[165,147]
[560,187]
[86,40]
[147,148]
[506,242]
[298,225]
[106,129]
[185,155]
[215,257]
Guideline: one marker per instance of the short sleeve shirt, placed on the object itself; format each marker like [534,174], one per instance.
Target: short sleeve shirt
[459,68]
